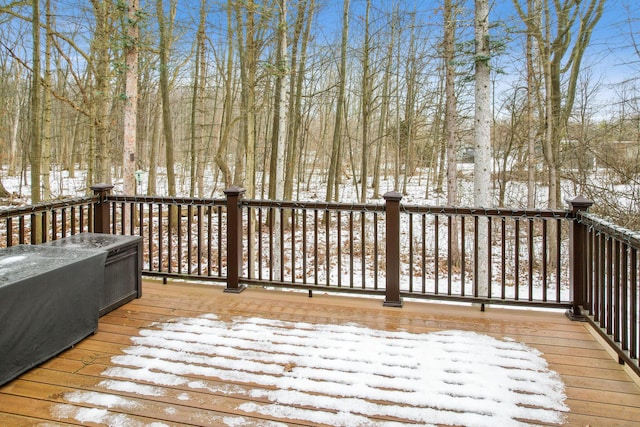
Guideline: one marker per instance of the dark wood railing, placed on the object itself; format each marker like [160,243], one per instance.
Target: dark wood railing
[46,221]
[611,291]
[548,258]
[407,251]
[182,237]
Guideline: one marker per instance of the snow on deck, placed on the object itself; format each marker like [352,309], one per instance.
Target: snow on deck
[340,375]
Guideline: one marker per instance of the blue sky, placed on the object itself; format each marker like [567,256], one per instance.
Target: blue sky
[609,56]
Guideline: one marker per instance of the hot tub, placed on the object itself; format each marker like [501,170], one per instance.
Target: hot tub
[123,268]
[49,300]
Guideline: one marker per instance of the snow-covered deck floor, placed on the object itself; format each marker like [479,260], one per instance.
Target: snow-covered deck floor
[188,354]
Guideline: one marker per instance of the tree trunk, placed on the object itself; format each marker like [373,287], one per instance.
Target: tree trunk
[131,98]
[366,107]
[451,120]
[166,29]
[440,150]
[408,126]
[247,48]
[35,154]
[482,136]
[278,148]
[333,181]
[75,147]
[100,47]
[15,125]
[282,106]
[47,104]
[296,87]
[202,148]
[533,8]
[384,106]
[227,113]
[155,148]
[197,107]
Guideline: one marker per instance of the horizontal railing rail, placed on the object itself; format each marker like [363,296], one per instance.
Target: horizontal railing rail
[611,289]
[47,221]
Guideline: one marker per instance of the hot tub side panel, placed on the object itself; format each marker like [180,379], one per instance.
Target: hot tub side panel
[48,312]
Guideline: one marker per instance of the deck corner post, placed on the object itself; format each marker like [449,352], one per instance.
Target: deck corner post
[234,239]
[392,215]
[578,260]
[101,215]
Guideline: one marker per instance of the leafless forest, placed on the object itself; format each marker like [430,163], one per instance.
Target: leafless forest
[273,95]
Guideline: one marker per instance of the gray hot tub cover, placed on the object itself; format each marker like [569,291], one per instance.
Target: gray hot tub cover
[49,301]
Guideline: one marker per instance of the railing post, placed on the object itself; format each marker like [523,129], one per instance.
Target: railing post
[577,259]
[392,214]
[101,213]
[234,239]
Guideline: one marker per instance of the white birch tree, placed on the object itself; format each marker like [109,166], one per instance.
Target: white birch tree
[482,137]
[281,140]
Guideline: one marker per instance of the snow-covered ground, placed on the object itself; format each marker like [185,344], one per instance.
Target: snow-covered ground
[340,375]
[416,191]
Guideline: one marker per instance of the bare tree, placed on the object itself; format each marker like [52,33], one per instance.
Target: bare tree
[382,139]
[131,97]
[166,29]
[278,148]
[248,51]
[283,74]
[408,125]
[304,18]
[366,104]
[532,54]
[483,113]
[156,113]
[35,153]
[197,108]
[333,179]
[280,104]
[227,110]
[16,105]
[482,137]
[451,117]
[101,93]
[562,31]
[47,106]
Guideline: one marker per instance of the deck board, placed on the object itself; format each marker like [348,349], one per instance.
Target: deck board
[599,392]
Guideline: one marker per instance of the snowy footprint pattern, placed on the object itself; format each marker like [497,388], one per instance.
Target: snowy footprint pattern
[344,375]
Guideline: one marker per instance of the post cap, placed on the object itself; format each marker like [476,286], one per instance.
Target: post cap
[392,196]
[579,203]
[101,187]
[234,191]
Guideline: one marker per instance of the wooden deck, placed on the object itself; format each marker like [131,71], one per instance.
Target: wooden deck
[72,389]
